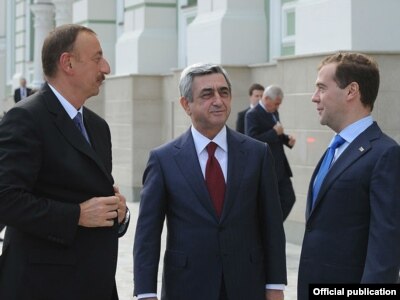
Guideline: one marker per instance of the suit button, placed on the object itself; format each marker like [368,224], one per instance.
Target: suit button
[308,228]
[221,228]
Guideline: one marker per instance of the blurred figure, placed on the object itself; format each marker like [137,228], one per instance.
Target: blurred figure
[352,215]
[262,123]
[23,91]
[255,92]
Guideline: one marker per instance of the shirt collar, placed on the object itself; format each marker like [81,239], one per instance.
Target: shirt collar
[69,108]
[355,129]
[201,142]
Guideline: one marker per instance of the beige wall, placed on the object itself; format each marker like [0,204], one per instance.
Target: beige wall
[144,112]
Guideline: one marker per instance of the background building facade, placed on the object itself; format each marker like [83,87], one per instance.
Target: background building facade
[148,43]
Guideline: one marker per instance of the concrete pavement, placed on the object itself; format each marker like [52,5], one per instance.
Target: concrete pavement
[124,275]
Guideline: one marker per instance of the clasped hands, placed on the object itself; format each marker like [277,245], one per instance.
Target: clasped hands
[101,211]
[279,131]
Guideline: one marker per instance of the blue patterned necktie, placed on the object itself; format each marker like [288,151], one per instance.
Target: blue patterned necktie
[79,123]
[325,165]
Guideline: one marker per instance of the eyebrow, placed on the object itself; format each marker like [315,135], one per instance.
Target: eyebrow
[212,90]
[98,53]
[209,89]
[320,84]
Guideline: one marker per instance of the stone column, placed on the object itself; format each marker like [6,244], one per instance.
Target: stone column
[63,9]
[149,42]
[43,11]
[230,32]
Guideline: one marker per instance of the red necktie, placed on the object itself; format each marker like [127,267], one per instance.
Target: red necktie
[215,179]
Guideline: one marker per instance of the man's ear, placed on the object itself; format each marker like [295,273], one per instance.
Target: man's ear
[65,62]
[354,89]
[185,104]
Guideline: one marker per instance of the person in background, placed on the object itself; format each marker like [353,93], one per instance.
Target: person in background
[218,192]
[57,195]
[23,91]
[352,215]
[263,123]
[255,92]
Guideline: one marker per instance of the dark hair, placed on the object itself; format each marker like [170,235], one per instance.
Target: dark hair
[356,67]
[255,86]
[199,69]
[61,39]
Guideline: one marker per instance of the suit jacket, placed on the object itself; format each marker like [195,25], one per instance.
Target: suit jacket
[46,169]
[246,246]
[353,232]
[240,120]
[17,94]
[259,125]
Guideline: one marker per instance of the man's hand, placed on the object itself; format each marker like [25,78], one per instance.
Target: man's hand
[278,128]
[292,140]
[274,294]
[99,211]
[121,205]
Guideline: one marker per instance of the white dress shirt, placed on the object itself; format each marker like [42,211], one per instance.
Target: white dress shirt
[350,133]
[69,108]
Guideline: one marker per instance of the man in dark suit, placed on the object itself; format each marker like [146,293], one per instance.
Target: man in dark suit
[225,238]
[262,123]
[57,198]
[352,216]
[255,92]
[22,92]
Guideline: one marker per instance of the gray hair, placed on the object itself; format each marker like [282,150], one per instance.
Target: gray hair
[199,69]
[272,92]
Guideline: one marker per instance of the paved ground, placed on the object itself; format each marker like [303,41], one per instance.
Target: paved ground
[124,271]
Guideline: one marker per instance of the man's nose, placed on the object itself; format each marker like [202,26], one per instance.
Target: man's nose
[105,67]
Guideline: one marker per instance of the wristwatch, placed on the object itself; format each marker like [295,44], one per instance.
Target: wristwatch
[127,217]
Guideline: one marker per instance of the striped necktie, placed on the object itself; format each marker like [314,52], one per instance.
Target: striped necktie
[79,123]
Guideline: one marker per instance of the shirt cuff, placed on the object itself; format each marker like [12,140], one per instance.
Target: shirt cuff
[149,295]
[275,287]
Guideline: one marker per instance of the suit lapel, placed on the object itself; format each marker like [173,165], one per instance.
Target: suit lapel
[188,163]
[358,148]
[68,129]
[236,165]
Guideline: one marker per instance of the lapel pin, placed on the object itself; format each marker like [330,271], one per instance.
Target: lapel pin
[361,149]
